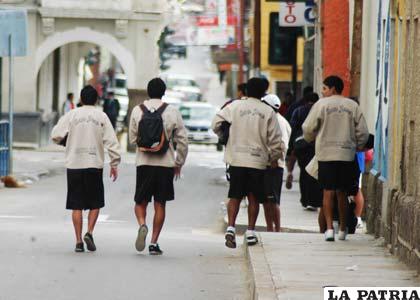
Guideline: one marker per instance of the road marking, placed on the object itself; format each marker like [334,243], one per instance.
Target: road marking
[16,217]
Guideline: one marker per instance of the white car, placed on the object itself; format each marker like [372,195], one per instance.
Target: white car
[172,101]
[173,80]
[191,93]
[197,118]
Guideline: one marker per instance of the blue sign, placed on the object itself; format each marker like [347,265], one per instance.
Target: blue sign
[13,22]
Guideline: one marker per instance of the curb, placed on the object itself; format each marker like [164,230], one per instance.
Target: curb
[262,285]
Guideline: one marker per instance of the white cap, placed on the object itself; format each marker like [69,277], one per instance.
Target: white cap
[272,100]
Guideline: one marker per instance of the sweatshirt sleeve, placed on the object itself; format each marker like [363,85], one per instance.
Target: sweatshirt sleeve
[274,138]
[311,125]
[60,130]
[133,127]
[361,130]
[223,115]
[181,140]
[111,143]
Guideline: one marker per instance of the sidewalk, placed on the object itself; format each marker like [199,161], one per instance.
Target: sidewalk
[30,165]
[292,265]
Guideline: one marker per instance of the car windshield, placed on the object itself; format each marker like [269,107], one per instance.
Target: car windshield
[197,113]
[120,83]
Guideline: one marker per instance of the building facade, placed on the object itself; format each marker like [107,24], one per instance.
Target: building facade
[393,189]
[59,33]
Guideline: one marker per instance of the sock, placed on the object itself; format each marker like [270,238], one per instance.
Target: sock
[231,228]
[250,232]
[152,244]
[359,219]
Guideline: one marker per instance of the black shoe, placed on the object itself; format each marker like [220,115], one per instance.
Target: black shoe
[155,250]
[90,244]
[79,247]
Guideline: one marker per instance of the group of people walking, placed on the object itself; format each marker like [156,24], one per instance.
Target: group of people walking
[324,136]
[86,132]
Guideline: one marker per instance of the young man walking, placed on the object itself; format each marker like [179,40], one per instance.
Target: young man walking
[273,179]
[254,140]
[86,132]
[338,127]
[68,105]
[156,169]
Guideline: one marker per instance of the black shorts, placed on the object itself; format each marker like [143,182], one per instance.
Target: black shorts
[336,175]
[156,182]
[85,189]
[244,181]
[273,181]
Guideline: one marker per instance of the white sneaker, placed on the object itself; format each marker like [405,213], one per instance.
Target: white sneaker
[359,223]
[251,238]
[329,235]
[342,235]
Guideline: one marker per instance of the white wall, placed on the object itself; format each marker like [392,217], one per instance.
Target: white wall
[368,76]
[88,4]
[45,87]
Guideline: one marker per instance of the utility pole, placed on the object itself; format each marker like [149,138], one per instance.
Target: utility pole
[11,103]
[257,37]
[240,37]
[1,86]
[356,49]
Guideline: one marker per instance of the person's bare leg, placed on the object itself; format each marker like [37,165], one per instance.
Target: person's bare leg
[141,211]
[92,218]
[328,206]
[253,210]
[342,209]
[77,217]
[321,221]
[268,213]
[233,210]
[158,220]
[360,202]
[276,217]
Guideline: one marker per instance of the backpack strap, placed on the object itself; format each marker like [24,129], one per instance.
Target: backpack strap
[143,108]
[162,108]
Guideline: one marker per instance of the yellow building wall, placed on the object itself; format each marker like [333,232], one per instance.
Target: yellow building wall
[398,14]
[276,73]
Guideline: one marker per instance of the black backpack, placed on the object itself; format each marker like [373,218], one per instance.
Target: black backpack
[151,136]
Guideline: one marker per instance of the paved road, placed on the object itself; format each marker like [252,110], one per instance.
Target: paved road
[198,64]
[36,253]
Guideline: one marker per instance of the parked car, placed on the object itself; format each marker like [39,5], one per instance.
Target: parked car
[173,80]
[191,93]
[178,50]
[172,101]
[197,118]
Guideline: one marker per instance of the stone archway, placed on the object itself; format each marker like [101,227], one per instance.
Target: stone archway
[84,34]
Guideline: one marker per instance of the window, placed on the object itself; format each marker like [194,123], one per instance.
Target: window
[283,42]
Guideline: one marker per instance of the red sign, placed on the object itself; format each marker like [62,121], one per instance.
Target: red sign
[207,21]
[214,21]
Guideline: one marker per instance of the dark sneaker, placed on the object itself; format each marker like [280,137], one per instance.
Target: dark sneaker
[289,181]
[251,239]
[155,250]
[141,238]
[230,239]
[79,247]
[90,244]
